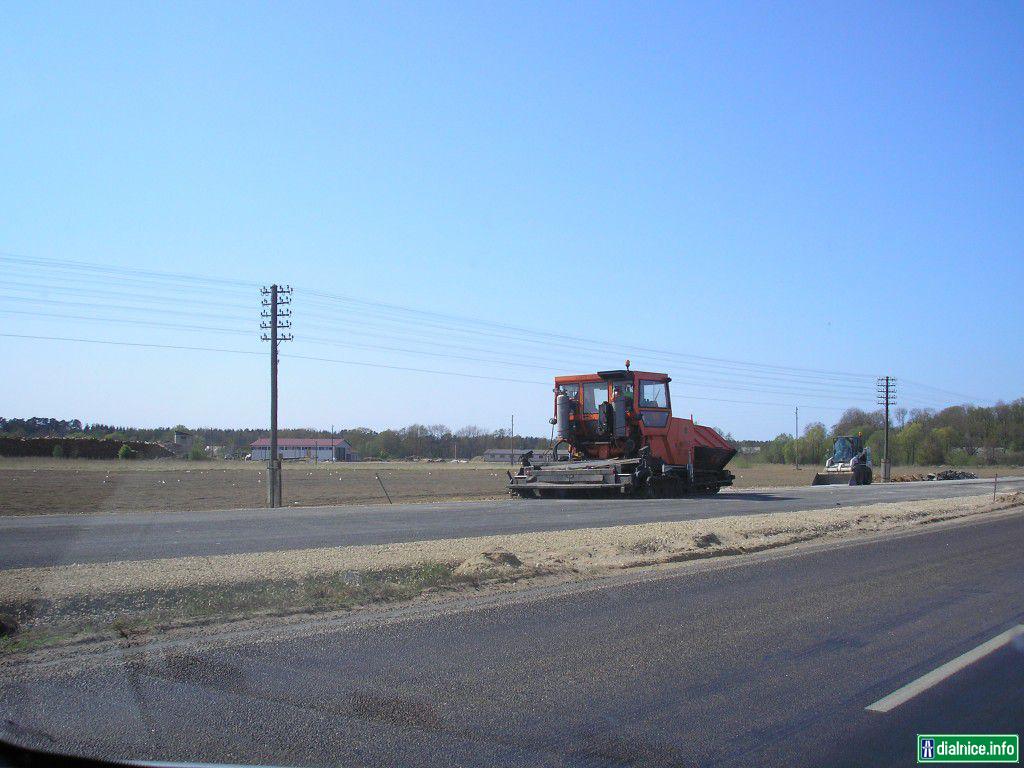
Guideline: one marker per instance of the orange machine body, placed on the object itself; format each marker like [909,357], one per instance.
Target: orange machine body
[648,420]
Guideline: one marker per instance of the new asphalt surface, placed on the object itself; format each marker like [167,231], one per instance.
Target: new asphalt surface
[63,539]
[760,660]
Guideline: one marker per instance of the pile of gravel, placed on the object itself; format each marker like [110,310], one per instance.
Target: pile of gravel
[489,563]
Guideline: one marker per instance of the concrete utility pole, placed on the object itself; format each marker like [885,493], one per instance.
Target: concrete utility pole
[512,442]
[274,321]
[886,387]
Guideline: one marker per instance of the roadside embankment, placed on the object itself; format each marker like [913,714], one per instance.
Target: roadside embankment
[73,603]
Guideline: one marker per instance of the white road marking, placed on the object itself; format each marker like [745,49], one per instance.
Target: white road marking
[936,676]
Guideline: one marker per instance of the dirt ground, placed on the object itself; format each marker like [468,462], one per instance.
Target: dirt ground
[75,486]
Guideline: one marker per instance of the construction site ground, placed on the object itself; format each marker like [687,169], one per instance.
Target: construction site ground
[77,486]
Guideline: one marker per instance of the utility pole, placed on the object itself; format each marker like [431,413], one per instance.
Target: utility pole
[512,442]
[886,387]
[796,436]
[275,319]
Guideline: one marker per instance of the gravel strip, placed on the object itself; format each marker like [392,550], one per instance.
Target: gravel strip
[583,550]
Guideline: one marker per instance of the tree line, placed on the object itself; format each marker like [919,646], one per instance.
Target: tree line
[436,441]
[959,435]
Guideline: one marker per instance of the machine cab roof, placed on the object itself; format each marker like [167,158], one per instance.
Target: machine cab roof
[647,390]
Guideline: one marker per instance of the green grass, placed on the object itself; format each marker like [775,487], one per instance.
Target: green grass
[44,637]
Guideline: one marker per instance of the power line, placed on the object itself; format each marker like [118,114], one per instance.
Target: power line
[575,339]
[128,321]
[186,347]
[136,295]
[726,366]
[687,396]
[361,363]
[574,342]
[417,370]
[67,276]
[944,391]
[770,383]
[194,348]
[812,387]
[119,307]
[333,298]
[811,392]
[161,278]
[213,329]
[128,271]
[154,284]
[606,352]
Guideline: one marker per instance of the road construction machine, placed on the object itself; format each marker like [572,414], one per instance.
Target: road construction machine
[848,464]
[616,434]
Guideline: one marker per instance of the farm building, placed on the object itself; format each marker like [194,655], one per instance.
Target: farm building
[312,448]
[182,444]
[505,454]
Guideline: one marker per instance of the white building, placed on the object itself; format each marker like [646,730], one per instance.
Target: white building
[311,448]
[505,455]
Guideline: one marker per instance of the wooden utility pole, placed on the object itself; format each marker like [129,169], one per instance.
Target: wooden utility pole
[796,436]
[886,396]
[275,320]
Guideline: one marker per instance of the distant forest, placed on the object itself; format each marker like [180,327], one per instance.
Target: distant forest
[417,440]
[960,435]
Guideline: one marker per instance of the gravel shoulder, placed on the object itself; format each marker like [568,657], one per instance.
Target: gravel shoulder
[139,602]
[587,549]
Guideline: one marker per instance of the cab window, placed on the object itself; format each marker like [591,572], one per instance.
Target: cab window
[594,393]
[653,394]
[572,390]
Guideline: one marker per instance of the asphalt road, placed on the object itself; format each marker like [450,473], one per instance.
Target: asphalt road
[767,660]
[64,539]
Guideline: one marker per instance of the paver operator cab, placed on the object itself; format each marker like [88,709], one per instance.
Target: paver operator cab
[616,433]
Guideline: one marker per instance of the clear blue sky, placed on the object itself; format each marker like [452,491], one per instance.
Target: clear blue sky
[818,185]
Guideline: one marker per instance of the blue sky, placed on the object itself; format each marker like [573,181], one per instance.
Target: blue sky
[836,187]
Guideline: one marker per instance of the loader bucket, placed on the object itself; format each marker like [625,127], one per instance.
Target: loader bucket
[832,478]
